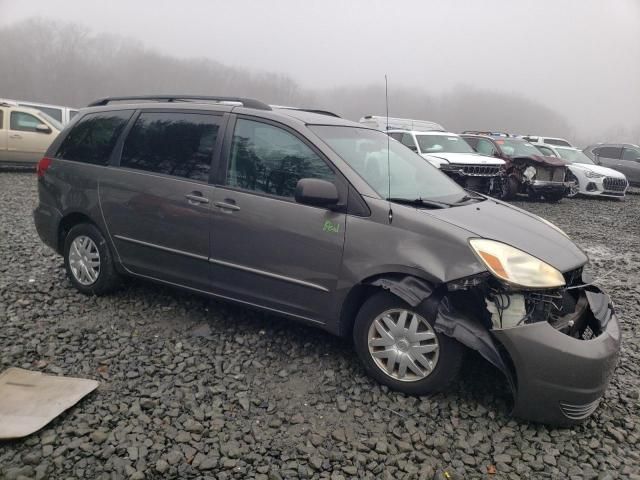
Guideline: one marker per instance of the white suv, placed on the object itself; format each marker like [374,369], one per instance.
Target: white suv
[455,157]
[25,133]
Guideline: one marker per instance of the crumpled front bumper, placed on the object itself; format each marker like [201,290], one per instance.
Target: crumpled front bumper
[542,186]
[560,379]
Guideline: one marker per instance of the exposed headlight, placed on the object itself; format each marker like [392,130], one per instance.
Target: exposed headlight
[591,174]
[515,266]
[530,172]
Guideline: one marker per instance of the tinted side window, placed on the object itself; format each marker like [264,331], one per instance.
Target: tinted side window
[1,119]
[407,139]
[608,152]
[485,147]
[271,160]
[92,139]
[473,141]
[546,151]
[179,144]
[396,136]
[24,122]
[631,154]
[559,143]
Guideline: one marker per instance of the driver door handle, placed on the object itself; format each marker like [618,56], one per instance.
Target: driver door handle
[15,135]
[196,197]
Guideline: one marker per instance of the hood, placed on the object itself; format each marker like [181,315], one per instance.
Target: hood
[462,158]
[543,160]
[586,167]
[502,222]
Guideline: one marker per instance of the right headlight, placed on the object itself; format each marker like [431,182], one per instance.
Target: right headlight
[514,266]
[591,174]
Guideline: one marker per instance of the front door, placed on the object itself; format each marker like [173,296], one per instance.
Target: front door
[630,164]
[157,203]
[266,248]
[25,143]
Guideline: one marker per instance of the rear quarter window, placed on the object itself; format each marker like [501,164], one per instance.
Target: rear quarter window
[93,137]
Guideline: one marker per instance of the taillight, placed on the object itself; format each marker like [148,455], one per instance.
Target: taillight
[43,165]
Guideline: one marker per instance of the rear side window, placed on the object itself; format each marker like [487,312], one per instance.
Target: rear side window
[24,122]
[270,160]
[631,154]
[172,143]
[92,139]
[558,142]
[608,152]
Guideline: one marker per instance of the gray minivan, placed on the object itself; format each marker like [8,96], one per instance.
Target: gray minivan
[327,222]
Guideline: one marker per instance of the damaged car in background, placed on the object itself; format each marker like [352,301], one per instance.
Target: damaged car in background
[444,150]
[371,242]
[527,171]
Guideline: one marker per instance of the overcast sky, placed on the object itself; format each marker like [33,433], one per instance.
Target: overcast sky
[579,57]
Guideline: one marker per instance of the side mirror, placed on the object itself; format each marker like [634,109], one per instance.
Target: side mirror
[42,128]
[413,147]
[497,154]
[316,192]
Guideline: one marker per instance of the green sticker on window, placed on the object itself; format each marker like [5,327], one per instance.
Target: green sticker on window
[329,226]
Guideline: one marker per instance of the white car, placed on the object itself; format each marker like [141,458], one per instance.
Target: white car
[554,141]
[454,156]
[587,177]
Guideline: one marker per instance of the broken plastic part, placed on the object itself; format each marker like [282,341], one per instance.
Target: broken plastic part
[412,290]
[473,335]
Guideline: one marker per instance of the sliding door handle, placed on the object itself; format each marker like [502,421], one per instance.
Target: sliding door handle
[229,207]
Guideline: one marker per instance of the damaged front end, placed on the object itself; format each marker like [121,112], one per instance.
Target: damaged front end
[539,175]
[557,347]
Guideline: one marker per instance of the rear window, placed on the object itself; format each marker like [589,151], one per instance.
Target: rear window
[92,139]
[557,141]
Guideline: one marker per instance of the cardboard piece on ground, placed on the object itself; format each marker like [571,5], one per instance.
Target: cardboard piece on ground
[30,400]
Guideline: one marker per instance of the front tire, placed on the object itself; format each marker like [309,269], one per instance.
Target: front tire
[574,189]
[509,188]
[88,261]
[400,348]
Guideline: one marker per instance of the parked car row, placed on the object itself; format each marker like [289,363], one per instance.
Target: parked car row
[335,224]
[504,165]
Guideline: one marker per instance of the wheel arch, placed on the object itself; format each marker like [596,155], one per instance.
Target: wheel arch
[67,222]
[410,288]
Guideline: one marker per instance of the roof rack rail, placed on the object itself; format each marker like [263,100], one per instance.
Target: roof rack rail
[310,110]
[246,102]
[488,133]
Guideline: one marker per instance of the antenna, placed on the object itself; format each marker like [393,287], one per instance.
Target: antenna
[386,100]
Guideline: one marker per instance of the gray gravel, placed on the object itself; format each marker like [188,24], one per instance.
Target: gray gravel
[194,388]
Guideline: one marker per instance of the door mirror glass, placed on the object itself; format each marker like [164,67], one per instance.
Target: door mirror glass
[42,128]
[316,192]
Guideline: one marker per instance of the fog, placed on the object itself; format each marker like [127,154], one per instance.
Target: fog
[568,68]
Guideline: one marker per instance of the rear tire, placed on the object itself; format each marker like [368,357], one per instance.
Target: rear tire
[88,261]
[554,197]
[434,359]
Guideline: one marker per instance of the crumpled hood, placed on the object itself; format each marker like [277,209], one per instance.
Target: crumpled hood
[586,167]
[505,223]
[553,161]
[465,158]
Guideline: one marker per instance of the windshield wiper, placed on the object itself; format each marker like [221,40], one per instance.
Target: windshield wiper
[420,202]
[468,197]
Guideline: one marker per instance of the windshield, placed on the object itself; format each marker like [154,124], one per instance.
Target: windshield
[574,156]
[517,148]
[56,124]
[443,143]
[412,177]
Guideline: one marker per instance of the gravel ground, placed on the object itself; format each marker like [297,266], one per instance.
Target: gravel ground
[194,388]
